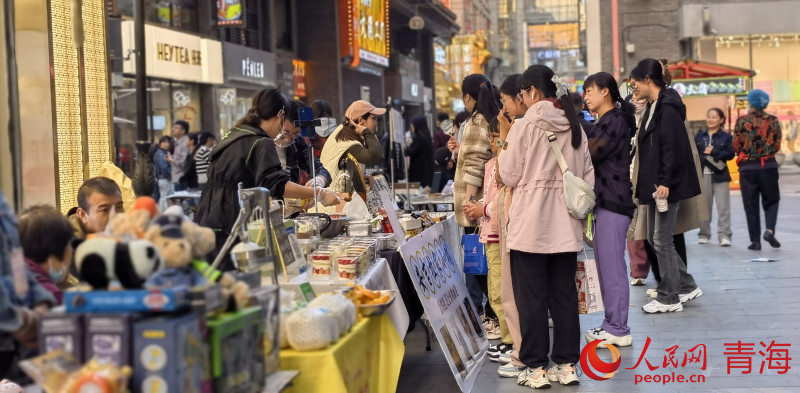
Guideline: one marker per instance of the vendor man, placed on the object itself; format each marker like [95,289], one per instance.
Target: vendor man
[295,156]
[97,197]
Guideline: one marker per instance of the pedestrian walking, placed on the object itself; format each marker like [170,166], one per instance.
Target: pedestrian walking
[178,158]
[665,174]
[189,179]
[610,146]
[756,140]
[163,170]
[439,137]
[716,149]
[420,153]
[543,238]
[202,157]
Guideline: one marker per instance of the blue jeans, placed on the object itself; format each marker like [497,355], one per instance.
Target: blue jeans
[675,279]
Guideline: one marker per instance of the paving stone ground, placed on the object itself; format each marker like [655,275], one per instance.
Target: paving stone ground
[743,301]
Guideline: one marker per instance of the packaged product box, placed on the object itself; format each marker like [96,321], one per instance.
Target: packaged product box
[237,356]
[587,280]
[131,300]
[110,337]
[267,298]
[168,355]
[62,331]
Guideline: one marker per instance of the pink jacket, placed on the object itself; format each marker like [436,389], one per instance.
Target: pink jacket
[539,222]
[489,233]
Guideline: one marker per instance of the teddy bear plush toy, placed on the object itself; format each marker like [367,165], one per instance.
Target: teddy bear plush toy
[183,245]
[133,224]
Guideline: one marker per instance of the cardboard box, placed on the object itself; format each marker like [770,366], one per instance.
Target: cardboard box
[62,331]
[110,337]
[132,300]
[268,299]
[237,356]
[168,355]
[587,280]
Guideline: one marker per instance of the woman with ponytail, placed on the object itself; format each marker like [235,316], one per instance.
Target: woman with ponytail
[247,154]
[542,237]
[667,167]
[473,153]
[610,146]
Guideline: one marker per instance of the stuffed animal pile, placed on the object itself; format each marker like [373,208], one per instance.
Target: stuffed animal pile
[146,249]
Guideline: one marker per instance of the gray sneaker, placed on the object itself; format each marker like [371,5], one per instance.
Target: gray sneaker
[533,377]
[510,370]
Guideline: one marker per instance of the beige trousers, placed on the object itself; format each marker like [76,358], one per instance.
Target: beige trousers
[506,290]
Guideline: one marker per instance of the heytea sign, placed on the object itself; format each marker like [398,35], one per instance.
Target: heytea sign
[179,54]
[252,69]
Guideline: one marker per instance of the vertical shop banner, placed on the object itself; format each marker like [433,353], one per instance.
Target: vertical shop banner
[443,293]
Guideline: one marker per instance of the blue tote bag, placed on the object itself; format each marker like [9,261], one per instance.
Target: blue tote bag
[474,256]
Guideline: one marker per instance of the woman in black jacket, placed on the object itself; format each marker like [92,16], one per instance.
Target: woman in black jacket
[715,147]
[246,154]
[666,171]
[420,153]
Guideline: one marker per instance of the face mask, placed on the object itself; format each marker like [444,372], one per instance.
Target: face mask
[58,276]
[283,140]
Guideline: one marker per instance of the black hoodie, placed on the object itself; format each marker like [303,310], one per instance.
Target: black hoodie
[610,146]
[247,155]
[665,152]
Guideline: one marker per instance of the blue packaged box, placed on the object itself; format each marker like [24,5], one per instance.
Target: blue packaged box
[62,331]
[169,355]
[131,300]
[109,337]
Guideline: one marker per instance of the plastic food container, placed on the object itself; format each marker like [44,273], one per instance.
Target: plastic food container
[321,265]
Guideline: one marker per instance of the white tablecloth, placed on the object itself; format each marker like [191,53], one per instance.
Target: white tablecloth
[378,278]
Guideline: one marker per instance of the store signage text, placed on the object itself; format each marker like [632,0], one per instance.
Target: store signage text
[299,78]
[373,58]
[179,54]
[710,87]
[364,29]
[253,69]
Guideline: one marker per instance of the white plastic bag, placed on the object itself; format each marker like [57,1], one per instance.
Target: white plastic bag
[312,328]
[341,307]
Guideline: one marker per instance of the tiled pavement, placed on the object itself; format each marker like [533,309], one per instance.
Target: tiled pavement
[743,300]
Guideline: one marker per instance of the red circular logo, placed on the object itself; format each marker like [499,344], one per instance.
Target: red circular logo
[589,356]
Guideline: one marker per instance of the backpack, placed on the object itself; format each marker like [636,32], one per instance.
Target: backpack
[578,195]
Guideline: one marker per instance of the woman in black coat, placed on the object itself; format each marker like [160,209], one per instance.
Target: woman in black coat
[715,147]
[420,153]
[666,171]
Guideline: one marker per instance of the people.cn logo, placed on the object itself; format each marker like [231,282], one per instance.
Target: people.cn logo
[589,356]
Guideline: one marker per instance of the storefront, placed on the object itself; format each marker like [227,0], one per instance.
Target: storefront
[364,47]
[180,67]
[247,71]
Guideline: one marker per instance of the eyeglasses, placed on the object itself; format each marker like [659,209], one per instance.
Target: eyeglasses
[492,137]
[520,94]
[632,86]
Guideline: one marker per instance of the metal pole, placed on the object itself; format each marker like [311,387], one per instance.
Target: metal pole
[13,106]
[142,137]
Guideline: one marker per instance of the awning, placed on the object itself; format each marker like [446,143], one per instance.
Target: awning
[693,69]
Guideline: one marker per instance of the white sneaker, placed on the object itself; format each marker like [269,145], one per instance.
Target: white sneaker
[685,297]
[652,292]
[608,338]
[533,377]
[510,370]
[702,240]
[564,374]
[637,282]
[655,307]
[725,242]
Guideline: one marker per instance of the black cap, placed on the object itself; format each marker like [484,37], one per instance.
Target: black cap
[170,226]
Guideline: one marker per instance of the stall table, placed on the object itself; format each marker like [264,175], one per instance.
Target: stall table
[367,359]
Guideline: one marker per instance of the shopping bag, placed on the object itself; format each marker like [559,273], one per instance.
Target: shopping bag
[474,256]
[587,279]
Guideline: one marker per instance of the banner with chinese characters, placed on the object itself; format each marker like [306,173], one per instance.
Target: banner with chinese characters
[364,31]
[443,293]
[711,86]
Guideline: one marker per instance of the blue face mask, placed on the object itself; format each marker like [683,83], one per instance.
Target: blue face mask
[58,276]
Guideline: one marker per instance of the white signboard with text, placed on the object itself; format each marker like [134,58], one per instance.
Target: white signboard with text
[443,293]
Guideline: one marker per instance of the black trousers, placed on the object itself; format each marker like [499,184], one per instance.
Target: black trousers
[542,282]
[680,247]
[763,183]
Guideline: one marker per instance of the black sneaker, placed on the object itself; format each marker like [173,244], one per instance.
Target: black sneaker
[503,351]
[770,238]
[755,246]
[493,349]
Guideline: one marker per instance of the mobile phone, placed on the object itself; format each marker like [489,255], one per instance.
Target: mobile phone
[505,114]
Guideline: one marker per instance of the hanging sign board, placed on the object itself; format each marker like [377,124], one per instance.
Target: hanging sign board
[230,13]
[443,293]
[710,86]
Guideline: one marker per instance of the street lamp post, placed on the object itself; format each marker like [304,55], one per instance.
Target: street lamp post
[142,135]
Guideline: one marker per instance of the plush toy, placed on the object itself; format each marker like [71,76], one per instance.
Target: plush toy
[102,262]
[133,224]
[173,236]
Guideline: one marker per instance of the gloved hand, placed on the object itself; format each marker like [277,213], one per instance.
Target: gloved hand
[327,197]
[320,181]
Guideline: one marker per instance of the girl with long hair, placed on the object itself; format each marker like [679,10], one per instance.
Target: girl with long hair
[542,237]
[716,149]
[610,146]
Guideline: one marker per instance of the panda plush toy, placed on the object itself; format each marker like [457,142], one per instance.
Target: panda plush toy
[105,263]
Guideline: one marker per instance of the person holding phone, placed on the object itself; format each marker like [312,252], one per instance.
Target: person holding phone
[354,136]
[716,148]
[295,157]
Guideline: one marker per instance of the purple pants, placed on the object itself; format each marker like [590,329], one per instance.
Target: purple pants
[609,252]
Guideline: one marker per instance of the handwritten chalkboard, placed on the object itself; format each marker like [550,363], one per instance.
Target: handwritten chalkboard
[282,246]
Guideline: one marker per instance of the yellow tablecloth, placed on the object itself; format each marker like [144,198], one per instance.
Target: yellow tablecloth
[367,359]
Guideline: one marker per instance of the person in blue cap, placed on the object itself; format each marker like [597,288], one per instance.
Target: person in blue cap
[756,140]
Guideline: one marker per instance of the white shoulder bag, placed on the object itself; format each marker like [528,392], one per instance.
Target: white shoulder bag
[578,196]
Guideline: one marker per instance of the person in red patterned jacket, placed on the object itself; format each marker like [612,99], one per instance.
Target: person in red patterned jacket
[756,140]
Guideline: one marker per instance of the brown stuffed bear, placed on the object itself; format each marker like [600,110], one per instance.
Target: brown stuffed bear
[183,245]
[133,224]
